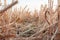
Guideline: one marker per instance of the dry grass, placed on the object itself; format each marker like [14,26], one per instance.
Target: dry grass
[20,23]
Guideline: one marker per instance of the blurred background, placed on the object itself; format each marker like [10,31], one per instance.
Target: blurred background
[31,4]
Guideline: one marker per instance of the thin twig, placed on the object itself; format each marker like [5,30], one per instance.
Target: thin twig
[54,34]
[9,6]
